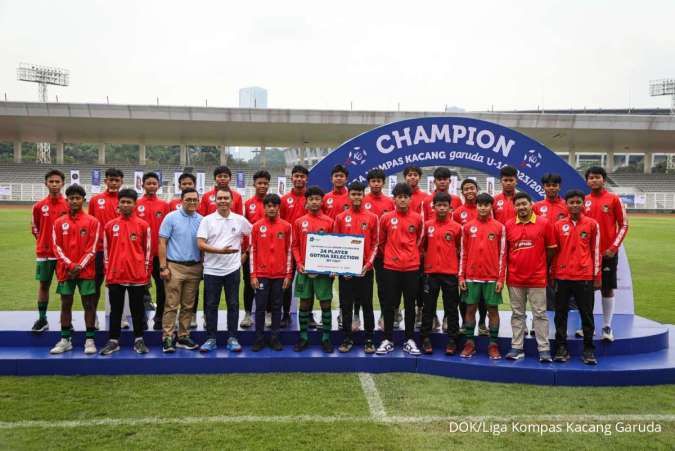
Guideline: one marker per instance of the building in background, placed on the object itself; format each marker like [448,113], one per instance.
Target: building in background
[250,97]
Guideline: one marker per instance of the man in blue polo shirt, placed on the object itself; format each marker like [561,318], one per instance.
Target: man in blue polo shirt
[180,264]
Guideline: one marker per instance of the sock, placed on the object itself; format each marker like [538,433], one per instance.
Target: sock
[608,310]
[494,334]
[468,330]
[326,320]
[91,332]
[42,309]
[65,332]
[303,319]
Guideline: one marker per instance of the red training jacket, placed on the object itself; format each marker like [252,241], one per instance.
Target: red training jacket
[607,209]
[527,243]
[400,240]
[335,202]
[127,246]
[503,208]
[75,239]
[378,204]
[103,207]
[364,223]
[152,210]
[45,212]
[465,213]
[305,224]
[483,251]
[441,245]
[578,256]
[417,200]
[207,205]
[553,211]
[175,204]
[271,249]
[292,206]
[428,206]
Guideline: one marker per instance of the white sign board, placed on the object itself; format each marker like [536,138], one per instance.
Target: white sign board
[334,254]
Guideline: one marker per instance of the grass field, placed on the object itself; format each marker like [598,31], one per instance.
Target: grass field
[332,411]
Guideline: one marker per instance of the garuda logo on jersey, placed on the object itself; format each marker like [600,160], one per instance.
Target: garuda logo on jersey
[531,159]
[356,157]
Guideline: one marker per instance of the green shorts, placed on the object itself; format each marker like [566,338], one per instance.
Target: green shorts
[307,287]
[475,291]
[86,287]
[44,270]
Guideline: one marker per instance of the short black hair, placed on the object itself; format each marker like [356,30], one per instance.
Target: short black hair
[442,197]
[314,191]
[357,186]
[273,199]
[410,169]
[376,174]
[221,170]
[522,195]
[299,169]
[262,174]
[597,170]
[150,175]
[401,189]
[484,198]
[574,193]
[57,173]
[551,177]
[469,182]
[339,168]
[127,193]
[114,172]
[508,171]
[442,173]
[75,189]
[188,191]
[187,175]
[227,190]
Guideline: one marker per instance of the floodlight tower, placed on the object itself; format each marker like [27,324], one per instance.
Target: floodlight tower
[43,76]
[664,87]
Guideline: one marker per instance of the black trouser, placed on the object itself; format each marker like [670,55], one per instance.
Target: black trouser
[249,293]
[397,283]
[378,264]
[160,295]
[433,285]
[482,311]
[357,290]
[213,286]
[582,290]
[116,294]
[100,272]
[419,300]
[270,293]
[288,293]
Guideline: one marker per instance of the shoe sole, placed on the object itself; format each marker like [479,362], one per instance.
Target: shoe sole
[412,352]
[110,352]
[515,359]
[168,351]
[247,326]
[561,360]
[39,331]
[205,350]
[60,352]
[467,356]
[189,348]
[91,352]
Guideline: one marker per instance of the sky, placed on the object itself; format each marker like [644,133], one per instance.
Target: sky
[365,55]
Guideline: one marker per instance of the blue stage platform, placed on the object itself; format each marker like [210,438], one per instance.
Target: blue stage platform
[642,354]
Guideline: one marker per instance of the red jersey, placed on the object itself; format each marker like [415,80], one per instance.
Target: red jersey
[103,207]
[292,206]
[465,213]
[400,240]
[75,239]
[45,212]
[553,211]
[527,243]
[152,210]
[578,256]
[127,245]
[503,208]
[208,203]
[441,245]
[305,224]
[363,223]
[417,200]
[175,203]
[428,205]
[335,202]
[607,209]
[378,204]
[254,209]
[271,243]
[483,251]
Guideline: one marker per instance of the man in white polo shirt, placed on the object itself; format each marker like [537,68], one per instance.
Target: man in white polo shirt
[219,237]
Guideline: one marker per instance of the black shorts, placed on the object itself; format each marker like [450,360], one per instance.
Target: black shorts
[608,269]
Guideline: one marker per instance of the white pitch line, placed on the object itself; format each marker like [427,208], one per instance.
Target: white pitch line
[375,404]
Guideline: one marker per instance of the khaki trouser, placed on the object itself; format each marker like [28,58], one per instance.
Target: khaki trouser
[180,292]
[537,298]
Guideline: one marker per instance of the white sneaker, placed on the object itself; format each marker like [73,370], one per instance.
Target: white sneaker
[607,334]
[125,324]
[385,347]
[436,324]
[418,317]
[445,324]
[356,324]
[62,346]
[247,321]
[411,347]
[268,320]
[580,333]
[398,317]
[89,346]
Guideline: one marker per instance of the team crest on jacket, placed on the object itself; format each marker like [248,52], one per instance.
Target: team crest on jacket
[431,230]
[491,236]
[394,221]
[566,228]
[543,208]
[158,214]
[45,208]
[605,208]
[116,228]
[587,204]
[368,206]
[212,198]
[305,224]
[329,201]
[280,235]
[411,228]
[133,236]
[263,229]
[141,208]
[473,229]
[583,234]
[463,215]
[251,207]
[448,236]
[65,226]
[500,203]
[348,219]
[289,200]
[83,232]
[364,225]
[101,201]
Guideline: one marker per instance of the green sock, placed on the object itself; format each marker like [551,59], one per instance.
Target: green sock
[303,318]
[327,321]
[91,332]
[65,332]
[494,334]
[468,330]
[42,309]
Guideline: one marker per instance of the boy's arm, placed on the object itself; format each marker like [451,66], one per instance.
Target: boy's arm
[90,245]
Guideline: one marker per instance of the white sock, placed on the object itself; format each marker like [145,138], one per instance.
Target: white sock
[607,310]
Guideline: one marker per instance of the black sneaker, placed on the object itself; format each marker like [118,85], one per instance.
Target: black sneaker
[139,347]
[40,326]
[301,345]
[110,347]
[167,345]
[285,321]
[327,346]
[588,357]
[345,346]
[369,347]
[186,343]
[276,344]
[258,344]
[157,325]
[562,354]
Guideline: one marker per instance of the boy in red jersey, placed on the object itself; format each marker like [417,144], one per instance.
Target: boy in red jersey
[152,209]
[442,183]
[576,269]
[531,246]
[222,176]
[400,238]
[127,245]
[74,238]
[552,207]
[185,180]
[358,290]
[254,210]
[270,263]
[45,212]
[337,200]
[503,208]
[307,286]
[607,209]
[441,246]
[467,211]
[481,273]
